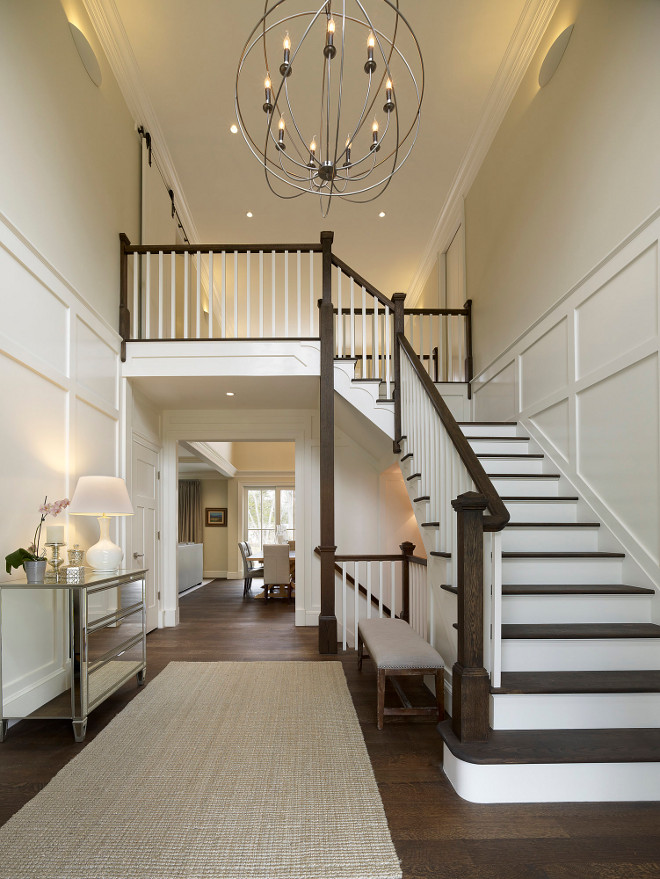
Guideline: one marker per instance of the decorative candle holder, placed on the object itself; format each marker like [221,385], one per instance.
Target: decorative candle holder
[76,555]
[55,561]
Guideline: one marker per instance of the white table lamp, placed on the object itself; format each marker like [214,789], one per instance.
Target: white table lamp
[103,497]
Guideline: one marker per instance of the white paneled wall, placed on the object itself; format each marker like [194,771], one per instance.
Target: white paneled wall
[585,381]
[59,369]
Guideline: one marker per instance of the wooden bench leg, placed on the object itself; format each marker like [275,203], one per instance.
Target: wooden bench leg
[360,651]
[440,693]
[381,697]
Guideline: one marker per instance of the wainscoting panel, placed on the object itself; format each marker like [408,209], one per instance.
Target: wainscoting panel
[537,381]
[589,379]
[59,374]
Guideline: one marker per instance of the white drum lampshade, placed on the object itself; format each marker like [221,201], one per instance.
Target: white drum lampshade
[103,497]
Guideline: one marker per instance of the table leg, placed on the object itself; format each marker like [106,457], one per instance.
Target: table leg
[79,729]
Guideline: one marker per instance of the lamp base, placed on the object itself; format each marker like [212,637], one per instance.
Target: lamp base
[105,555]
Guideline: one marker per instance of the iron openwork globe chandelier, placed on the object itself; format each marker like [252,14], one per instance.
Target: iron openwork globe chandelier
[329,99]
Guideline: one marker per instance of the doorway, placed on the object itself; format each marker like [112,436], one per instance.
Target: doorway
[145,524]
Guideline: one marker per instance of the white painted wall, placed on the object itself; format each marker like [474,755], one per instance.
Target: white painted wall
[572,171]
[69,170]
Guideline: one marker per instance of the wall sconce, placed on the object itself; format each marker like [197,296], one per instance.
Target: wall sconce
[554,55]
[87,55]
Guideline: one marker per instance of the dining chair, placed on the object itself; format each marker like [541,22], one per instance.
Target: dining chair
[276,568]
[250,569]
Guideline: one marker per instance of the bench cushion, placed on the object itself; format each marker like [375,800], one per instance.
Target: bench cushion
[393,644]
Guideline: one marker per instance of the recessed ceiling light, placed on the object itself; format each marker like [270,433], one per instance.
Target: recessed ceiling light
[230,393]
[234,129]
[381,214]
[249,214]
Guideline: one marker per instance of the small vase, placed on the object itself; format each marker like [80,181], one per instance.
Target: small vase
[35,570]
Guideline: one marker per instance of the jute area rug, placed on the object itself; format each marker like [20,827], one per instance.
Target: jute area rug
[217,770]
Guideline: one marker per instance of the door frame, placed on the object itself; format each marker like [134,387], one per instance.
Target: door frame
[138,439]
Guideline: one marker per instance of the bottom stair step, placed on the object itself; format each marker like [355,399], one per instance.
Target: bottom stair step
[526,682]
[557,746]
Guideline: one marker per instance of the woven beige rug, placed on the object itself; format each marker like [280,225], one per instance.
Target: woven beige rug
[217,770]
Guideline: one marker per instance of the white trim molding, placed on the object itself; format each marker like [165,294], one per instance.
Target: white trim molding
[522,47]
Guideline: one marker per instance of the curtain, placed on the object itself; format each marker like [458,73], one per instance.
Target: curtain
[190,511]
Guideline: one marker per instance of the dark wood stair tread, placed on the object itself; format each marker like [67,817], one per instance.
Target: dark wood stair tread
[522,455]
[557,746]
[570,631]
[497,439]
[574,589]
[414,476]
[367,380]
[523,682]
[448,588]
[423,497]
[485,423]
[406,456]
[430,525]
[441,555]
[563,555]
[492,476]
[511,524]
[536,497]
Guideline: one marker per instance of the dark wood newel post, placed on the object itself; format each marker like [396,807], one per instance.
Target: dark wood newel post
[398,300]
[470,681]
[327,549]
[468,347]
[124,313]
[407,548]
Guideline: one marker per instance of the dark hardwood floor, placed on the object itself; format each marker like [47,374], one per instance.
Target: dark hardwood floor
[436,834]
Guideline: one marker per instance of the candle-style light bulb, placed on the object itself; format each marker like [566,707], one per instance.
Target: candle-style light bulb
[374,134]
[280,136]
[370,64]
[389,103]
[312,153]
[285,66]
[268,103]
[348,146]
[329,49]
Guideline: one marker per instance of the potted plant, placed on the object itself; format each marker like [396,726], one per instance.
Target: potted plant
[32,560]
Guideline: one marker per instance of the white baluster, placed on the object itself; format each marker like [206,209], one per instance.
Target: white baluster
[312,309]
[375,364]
[223,296]
[248,293]
[272,296]
[173,295]
[136,299]
[368,564]
[388,353]
[210,333]
[160,294]
[364,333]
[198,308]
[147,300]
[351,319]
[235,294]
[380,589]
[356,607]
[340,318]
[299,291]
[286,293]
[343,605]
[393,589]
[186,292]
[261,294]
[496,581]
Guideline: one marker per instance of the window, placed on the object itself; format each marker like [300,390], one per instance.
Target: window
[269,508]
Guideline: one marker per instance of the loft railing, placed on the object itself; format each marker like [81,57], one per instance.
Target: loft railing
[451,479]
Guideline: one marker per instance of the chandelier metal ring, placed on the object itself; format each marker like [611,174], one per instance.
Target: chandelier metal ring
[302,148]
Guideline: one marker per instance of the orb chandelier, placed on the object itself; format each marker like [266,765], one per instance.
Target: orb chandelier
[328,99]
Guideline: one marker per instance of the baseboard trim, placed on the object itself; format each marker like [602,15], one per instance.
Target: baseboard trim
[36,695]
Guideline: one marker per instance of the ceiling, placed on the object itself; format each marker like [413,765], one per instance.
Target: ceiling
[187,54]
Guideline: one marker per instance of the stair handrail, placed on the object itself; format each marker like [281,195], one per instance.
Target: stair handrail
[361,282]
[499,515]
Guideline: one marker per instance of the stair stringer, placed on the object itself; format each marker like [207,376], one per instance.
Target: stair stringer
[364,396]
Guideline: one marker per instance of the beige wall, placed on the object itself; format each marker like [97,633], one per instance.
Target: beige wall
[214,494]
[572,171]
[69,154]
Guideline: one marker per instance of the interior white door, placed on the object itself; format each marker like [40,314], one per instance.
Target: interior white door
[145,523]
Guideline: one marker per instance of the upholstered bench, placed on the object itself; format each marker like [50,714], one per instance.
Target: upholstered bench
[397,650]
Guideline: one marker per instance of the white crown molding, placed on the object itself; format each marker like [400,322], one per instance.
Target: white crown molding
[114,40]
[522,47]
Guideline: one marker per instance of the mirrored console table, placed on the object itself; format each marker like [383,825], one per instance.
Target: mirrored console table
[106,643]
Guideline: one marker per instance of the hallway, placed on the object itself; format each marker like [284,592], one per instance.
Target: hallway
[436,834]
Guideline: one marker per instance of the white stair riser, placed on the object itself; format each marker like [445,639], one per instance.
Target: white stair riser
[499,447]
[476,430]
[575,711]
[517,571]
[525,486]
[522,466]
[540,609]
[590,654]
[549,539]
[552,782]
[538,511]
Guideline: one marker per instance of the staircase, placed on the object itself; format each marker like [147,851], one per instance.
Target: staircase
[576,713]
